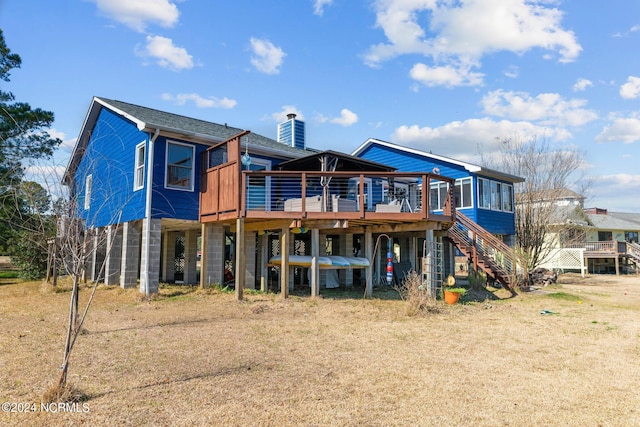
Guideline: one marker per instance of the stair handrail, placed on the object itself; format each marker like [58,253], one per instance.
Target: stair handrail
[633,250]
[486,240]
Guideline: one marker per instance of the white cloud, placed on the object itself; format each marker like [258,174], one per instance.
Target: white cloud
[631,89]
[319,5]
[199,101]
[545,108]
[512,71]
[621,129]
[166,54]
[606,192]
[67,144]
[137,14]
[281,115]
[267,58]
[446,75]
[463,140]
[462,32]
[347,118]
[581,85]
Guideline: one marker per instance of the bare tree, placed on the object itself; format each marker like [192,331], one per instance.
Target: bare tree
[549,171]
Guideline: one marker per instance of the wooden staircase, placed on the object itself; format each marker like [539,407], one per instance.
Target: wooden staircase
[633,252]
[487,252]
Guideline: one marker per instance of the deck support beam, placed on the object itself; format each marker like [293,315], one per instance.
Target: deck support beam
[241,260]
[285,236]
[264,259]
[368,248]
[315,270]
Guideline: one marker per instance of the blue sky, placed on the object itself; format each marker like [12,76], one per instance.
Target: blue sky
[448,76]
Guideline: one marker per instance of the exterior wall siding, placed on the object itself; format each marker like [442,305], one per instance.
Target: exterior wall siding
[410,162]
[109,159]
[495,222]
[171,202]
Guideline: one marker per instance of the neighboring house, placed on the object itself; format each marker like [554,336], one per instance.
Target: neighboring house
[484,195]
[591,240]
[134,175]
[611,244]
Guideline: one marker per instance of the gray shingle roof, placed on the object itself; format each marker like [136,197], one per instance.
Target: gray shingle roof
[151,119]
[188,125]
[616,221]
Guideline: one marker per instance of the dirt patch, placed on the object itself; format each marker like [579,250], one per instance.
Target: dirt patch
[193,357]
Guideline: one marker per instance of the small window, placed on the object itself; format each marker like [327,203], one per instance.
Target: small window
[463,193]
[438,195]
[88,181]
[496,196]
[138,182]
[180,166]
[484,193]
[507,198]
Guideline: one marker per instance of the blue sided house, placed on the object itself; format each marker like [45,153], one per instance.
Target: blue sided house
[134,176]
[484,205]
[164,197]
[485,196]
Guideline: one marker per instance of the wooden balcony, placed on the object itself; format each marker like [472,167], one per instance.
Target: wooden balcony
[310,197]
[601,249]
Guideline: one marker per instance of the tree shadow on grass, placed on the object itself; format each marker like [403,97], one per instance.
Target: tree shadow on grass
[351,292]
[483,294]
[167,380]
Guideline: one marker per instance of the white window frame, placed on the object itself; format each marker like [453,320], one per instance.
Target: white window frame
[496,196]
[460,182]
[484,193]
[193,167]
[500,196]
[138,178]
[88,182]
[507,196]
[439,187]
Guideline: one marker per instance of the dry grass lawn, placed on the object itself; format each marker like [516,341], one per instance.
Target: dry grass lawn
[200,358]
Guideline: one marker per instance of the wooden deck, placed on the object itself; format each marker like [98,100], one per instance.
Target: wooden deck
[601,252]
[386,201]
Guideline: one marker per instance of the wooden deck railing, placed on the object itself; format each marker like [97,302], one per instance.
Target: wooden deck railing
[603,247]
[228,192]
[344,195]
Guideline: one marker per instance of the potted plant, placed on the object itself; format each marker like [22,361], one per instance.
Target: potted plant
[452,294]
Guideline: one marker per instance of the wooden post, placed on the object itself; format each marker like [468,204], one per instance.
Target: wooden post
[241,261]
[368,247]
[315,270]
[284,261]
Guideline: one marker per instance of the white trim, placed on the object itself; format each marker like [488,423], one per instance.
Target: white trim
[458,182]
[193,166]
[481,199]
[468,166]
[504,187]
[139,185]
[139,123]
[491,183]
